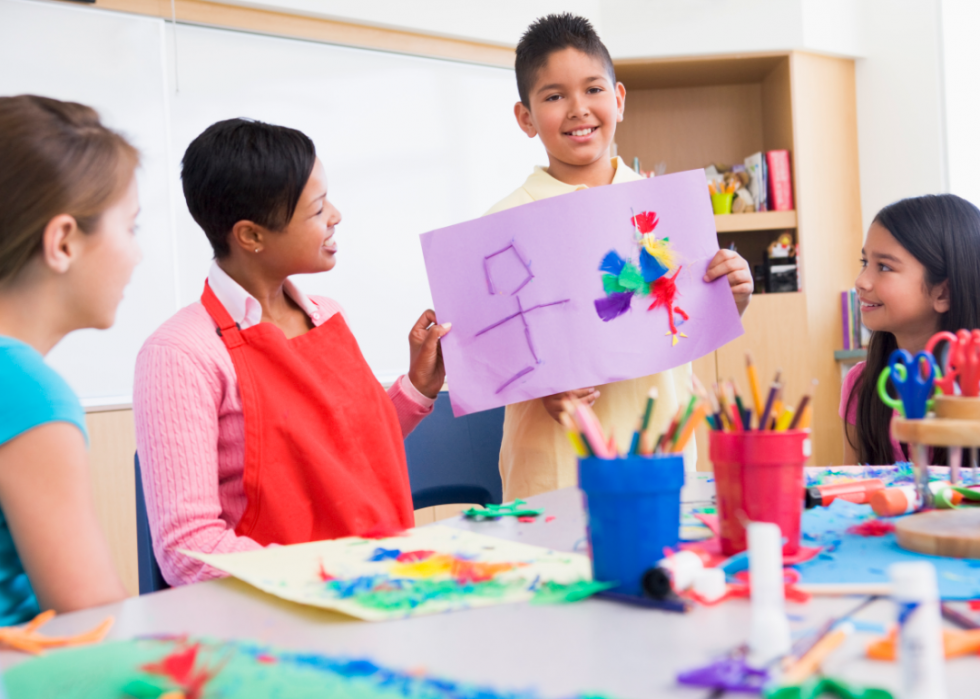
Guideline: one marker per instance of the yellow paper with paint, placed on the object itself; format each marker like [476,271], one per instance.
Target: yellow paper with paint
[424,571]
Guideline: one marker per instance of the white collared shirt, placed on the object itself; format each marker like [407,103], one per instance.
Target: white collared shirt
[246,310]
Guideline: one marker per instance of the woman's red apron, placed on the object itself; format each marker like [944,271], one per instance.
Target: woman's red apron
[324,456]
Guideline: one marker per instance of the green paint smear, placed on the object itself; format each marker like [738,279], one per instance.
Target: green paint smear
[412,594]
[556,593]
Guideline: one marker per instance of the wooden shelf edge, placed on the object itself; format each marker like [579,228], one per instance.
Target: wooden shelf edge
[758,221]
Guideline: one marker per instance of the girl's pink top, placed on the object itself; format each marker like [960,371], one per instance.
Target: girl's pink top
[851,415]
[190,429]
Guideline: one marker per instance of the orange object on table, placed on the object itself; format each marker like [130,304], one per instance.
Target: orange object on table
[27,639]
[955,644]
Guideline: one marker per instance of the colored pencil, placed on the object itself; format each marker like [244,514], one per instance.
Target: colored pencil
[804,401]
[753,383]
[770,400]
[688,429]
[784,420]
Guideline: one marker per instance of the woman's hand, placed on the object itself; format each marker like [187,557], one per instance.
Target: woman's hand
[553,403]
[729,262]
[426,370]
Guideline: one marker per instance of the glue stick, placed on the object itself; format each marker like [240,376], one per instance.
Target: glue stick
[684,567]
[920,639]
[769,630]
[902,499]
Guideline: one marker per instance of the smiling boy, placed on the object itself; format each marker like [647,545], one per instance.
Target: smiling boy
[570,100]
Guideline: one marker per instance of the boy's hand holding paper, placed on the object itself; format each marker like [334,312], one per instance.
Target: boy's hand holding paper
[583,289]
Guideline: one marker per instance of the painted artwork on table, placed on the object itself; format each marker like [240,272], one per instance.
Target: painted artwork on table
[423,571]
[168,667]
[583,289]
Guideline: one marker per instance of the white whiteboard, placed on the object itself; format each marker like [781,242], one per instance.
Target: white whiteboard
[409,144]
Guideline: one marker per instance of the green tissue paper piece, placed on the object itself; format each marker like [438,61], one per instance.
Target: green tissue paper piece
[513,509]
[610,284]
[631,279]
[145,689]
[556,593]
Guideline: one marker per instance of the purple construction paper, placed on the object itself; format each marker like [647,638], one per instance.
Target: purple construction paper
[546,337]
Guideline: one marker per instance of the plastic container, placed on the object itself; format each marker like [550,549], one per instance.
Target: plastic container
[721,202]
[920,636]
[759,478]
[634,511]
[769,636]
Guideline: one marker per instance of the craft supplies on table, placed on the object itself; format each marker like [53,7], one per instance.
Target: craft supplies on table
[759,477]
[633,506]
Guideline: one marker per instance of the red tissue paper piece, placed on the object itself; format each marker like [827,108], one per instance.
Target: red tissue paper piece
[413,556]
[872,527]
[526,519]
[645,221]
[974,604]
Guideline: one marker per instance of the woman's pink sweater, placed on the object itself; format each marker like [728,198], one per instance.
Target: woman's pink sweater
[191,441]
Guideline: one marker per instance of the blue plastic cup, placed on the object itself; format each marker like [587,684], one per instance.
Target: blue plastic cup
[634,511]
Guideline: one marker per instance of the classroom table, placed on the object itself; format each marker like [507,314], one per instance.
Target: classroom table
[558,650]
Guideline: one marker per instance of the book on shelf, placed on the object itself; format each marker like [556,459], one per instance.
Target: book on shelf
[780,193]
[856,334]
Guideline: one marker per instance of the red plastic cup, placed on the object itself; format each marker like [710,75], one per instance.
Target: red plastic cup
[759,478]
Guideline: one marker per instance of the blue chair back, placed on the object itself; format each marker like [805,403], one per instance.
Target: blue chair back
[151,579]
[455,459]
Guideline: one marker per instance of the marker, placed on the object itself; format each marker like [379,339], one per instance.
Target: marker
[858,492]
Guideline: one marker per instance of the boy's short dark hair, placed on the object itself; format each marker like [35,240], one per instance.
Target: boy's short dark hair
[555,33]
[244,170]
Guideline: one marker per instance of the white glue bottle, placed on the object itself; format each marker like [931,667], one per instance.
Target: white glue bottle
[769,636]
[920,635]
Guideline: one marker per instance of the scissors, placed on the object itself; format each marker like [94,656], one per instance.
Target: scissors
[914,389]
[962,361]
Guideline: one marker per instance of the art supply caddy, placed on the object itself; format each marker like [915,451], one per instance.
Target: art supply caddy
[632,500]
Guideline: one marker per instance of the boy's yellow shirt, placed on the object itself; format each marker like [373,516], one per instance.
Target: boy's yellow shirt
[536,456]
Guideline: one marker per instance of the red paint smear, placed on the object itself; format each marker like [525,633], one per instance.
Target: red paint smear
[526,519]
[267,659]
[645,221]
[549,518]
[872,527]
[382,531]
[413,556]
[324,575]
[475,571]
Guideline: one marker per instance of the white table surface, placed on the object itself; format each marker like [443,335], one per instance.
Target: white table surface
[559,650]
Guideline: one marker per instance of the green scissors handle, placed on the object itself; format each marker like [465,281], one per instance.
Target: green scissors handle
[895,403]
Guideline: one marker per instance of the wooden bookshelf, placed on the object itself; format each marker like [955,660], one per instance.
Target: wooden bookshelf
[760,221]
[687,113]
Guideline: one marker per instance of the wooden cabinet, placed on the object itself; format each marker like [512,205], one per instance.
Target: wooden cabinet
[685,113]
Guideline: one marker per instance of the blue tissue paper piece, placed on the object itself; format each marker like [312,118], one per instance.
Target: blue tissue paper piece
[852,558]
[651,267]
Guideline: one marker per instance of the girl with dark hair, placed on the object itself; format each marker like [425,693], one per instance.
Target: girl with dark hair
[68,205]
[921,275]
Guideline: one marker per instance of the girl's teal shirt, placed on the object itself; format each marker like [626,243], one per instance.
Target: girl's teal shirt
[31,394]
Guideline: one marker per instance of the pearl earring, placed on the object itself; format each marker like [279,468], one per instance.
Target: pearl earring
[256,249]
